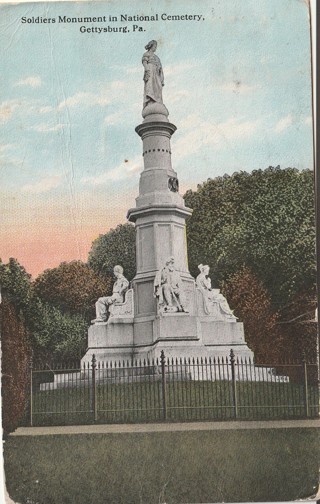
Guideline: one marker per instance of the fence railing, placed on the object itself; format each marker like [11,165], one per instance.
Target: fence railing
[172,390]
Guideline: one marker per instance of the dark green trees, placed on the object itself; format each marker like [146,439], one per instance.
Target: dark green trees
[15,343]
[263,220]
[257,233]
[115,247]
[63,304]
[72,287]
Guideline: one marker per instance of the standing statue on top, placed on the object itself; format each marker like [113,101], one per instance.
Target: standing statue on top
[153,82]
[214,303]
[153,75]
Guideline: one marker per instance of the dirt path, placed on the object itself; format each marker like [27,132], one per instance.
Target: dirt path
[165,427]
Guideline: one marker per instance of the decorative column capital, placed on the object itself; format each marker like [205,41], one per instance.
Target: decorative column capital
[155,128]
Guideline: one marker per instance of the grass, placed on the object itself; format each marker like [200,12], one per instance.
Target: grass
[169,467]
[185,400]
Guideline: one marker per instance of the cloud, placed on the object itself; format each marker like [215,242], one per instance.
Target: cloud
[114,118]
[44,185]
[6,147]
[44,128]
[127,168]
[265,59]
[8,157]
[133,70]
[283,124]
[128,69]
[7,108]
[204,133]
[308,121]
[112,93]
[85,99]
[116,90]
[22,107]
[46,109]
[180,68]
[34,82]
[173,96]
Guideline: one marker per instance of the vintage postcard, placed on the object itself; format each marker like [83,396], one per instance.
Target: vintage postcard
[158,267]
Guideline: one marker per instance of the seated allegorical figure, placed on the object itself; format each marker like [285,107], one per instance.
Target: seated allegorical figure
[167,288]
[212,297]
[120,287]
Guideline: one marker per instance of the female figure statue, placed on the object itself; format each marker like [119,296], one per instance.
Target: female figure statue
[153,75]
[212,296]
[104,304]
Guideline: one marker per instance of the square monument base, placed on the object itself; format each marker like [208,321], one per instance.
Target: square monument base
[179,335]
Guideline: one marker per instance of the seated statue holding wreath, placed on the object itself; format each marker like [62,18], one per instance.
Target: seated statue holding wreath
[212,297]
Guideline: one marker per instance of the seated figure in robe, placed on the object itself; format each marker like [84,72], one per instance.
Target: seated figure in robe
[212,297]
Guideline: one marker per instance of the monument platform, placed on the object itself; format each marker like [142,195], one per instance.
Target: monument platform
[180,335]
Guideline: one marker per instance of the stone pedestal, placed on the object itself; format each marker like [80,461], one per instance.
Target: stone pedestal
[179,335]
[110,341]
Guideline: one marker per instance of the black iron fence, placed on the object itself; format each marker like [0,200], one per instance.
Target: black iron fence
[173,390]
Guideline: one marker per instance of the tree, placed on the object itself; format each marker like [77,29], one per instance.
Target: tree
[263,220]
[57,335]
[252,305]
[72,287]
[16,291]
[16,355]
[115,247]
[15,283]
[298,325]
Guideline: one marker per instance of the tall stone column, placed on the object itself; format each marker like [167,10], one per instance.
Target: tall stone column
[160,212]
[159,215]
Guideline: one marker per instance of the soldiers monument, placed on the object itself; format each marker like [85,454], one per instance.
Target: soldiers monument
[165,308]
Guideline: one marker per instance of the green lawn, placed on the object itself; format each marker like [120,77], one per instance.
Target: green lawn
[170,467]
[186,401]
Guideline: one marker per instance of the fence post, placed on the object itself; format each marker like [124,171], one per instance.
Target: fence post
[163,376]
[305,384]
[94,389]
[234,384]
[31,390]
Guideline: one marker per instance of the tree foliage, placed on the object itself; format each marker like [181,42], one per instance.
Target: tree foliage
[16,354]
[15,283]
[62,305]
[72,287]
[57,335]
[298,326]
[252,305]
[115,247]
[263,220]
[16,291]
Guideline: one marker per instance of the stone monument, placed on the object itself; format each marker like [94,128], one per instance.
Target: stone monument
[166,309]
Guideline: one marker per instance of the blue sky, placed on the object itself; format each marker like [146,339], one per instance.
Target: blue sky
[237,86]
